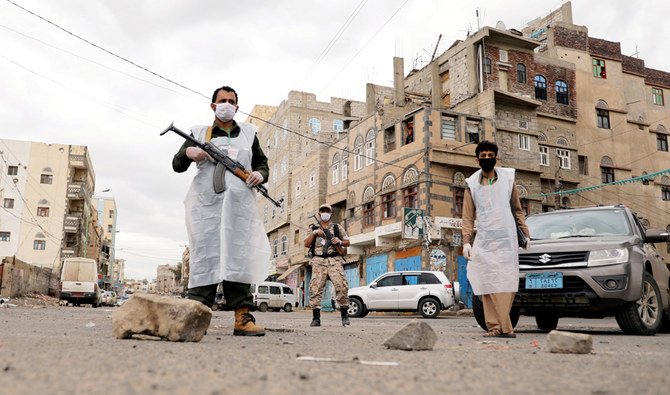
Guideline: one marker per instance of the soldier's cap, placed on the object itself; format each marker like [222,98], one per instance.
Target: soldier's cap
[325,206]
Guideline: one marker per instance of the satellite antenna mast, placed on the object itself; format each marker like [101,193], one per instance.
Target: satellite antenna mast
[478,22]
[637,53]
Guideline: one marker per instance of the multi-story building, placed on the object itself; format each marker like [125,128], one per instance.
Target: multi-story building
[45,191]
[105,207]
[166,280]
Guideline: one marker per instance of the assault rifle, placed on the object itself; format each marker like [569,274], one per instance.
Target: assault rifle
[223,162]
[329,239]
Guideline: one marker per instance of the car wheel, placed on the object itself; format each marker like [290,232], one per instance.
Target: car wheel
[643,317]
[263,307]
[356,308]
[429,308]
[288,307]
[478,312]
[546,322]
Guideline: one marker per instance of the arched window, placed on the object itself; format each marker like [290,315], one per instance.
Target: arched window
[368,194]
[314,125]
[521,73]
[540,87]
[336,169]
[562,141]
[368,207]
[344,164]
[602,114]
[358,153]
[284,244]
[410,188]
[607,169]
[275,248]
[388,183]
[411,176]
[370,147]
[661,138]
[561,92]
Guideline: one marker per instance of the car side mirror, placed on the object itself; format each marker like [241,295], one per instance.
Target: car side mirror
[656,236]
[373,285]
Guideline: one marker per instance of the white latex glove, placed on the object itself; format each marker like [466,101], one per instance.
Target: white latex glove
[254,178]
[196,154]
[467,251]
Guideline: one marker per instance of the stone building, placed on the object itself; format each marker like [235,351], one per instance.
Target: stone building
[165,279]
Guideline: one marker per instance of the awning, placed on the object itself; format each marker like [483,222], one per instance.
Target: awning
[290,270]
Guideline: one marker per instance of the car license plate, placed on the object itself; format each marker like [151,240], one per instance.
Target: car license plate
[547,280]
[77,294]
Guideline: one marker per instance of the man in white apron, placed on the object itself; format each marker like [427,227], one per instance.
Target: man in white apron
[227,240]
[493,270]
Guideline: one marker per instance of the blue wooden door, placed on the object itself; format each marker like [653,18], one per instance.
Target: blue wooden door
[351,273]
[375,266]
[409,263]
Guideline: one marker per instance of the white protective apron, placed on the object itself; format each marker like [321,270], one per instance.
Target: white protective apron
[494,266]
[227,239]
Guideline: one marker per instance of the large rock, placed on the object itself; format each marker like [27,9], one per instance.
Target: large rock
[416,335]
[569,343]
[177,320]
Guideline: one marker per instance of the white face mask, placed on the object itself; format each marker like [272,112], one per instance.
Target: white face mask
[325,217]
[225,111]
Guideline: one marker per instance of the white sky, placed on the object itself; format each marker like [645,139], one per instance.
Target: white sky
[57,89]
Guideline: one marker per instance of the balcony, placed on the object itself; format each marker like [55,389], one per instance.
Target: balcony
[67,252]
[77,190]
[72,223]
[78,161]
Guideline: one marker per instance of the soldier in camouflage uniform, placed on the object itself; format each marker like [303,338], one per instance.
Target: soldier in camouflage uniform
[327,263]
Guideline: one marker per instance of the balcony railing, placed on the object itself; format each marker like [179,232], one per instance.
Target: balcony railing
[78,161]
[77,190]
[71,223]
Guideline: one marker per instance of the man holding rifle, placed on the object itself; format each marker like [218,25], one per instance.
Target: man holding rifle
[325,243]
[227,240]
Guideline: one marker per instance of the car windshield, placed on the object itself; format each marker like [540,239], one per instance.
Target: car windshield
[582,223]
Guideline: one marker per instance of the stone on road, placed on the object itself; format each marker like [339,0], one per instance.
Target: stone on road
[569,343]
[177,320]
[416,335]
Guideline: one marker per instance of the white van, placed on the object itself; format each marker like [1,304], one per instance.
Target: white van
[273,296]
[79,282]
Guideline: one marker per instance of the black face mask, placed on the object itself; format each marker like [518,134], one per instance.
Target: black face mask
[487,164]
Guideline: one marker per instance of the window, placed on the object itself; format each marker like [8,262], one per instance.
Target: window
[561,92]
[665,193]
[110,228]
[521,73]
[389,139]
[583,165]
[657,96]
[336,169]
[12,170]
[284,245]
[287,291]
[358,153]
[5,236]
[46,179]
[8,203]
[43,211]
[524,142]
[111,213]
[599,68]
[314,125]
[606,169]
[459,194]
[298,187]
[487,65]
[540,87]
[388,205]
[370,148]
[275,248]
[338,125]
[563,158]
[408,131]
[263,289]
[390,281]
[369,214]
[296,236]
[40,245]
[662,142]
[275,290]
[409,197]
[344,164]
[283,206]
[312,180]
[544,156]
[603,119]
[472,129]
[448,128]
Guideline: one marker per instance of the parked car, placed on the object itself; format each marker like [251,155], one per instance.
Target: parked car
[109,298]
[427,292]
[79,282]
[273,296]
[592,263]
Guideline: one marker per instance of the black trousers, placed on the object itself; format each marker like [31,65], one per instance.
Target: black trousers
[236,294]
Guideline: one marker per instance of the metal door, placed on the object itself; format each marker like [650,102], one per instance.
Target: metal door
[375,266]
[409,263]
[351,273]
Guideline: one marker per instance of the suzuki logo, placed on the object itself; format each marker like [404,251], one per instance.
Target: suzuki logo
[545,258]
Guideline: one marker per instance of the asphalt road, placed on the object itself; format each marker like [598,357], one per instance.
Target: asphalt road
[70,350]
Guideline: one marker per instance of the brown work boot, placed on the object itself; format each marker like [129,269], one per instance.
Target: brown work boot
[245,324]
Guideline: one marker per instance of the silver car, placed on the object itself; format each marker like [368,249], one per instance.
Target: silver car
[592,263]
[427,292]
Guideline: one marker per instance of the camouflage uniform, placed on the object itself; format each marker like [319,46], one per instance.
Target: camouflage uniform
[327,267]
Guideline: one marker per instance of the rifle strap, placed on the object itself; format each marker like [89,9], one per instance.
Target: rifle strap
[208,135]
[336,233]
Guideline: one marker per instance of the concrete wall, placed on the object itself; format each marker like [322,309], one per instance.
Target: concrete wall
[18,278]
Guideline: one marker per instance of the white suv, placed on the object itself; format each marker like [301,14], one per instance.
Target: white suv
[424,291]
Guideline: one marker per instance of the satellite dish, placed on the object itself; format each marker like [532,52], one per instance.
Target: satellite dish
[501,25]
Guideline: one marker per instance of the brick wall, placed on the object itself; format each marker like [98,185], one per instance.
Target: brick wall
[604,48]
[657,77]
[633,65]
[570,38]
[18,278]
